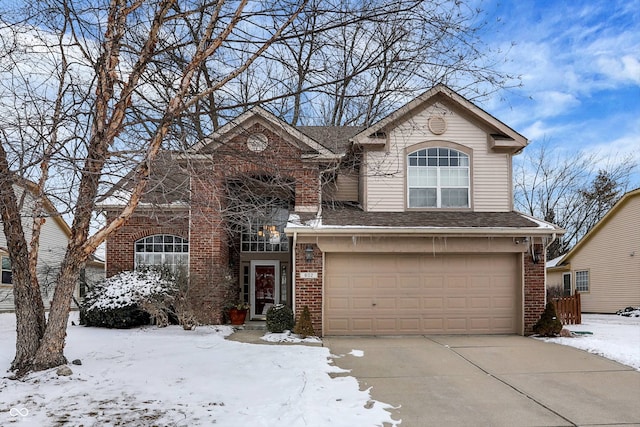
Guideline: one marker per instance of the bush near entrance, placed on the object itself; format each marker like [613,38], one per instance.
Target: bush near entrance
[279,318]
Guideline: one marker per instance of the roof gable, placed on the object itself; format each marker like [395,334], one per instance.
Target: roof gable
[306,144]
[501,136]
[47,204]
[626,199]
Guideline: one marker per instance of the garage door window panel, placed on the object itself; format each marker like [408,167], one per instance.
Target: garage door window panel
[438,178]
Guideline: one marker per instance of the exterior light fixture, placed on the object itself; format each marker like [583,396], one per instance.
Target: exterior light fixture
[308,254]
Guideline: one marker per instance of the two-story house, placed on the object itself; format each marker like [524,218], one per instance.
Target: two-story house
[404,227]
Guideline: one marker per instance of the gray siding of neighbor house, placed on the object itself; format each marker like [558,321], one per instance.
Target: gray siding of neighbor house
[612,257]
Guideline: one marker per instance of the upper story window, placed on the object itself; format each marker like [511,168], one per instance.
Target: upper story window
[7,276]
[266,234]
[162,250]
[438,178]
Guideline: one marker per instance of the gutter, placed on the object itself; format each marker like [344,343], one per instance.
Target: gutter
[458,231]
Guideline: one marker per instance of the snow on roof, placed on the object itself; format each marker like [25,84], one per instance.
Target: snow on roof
[554,262]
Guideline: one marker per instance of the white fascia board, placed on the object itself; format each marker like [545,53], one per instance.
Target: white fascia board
[413,231]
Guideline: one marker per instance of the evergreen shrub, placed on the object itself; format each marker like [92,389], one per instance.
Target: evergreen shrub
[279,318]
[304,327]
[118,301]
[548,325]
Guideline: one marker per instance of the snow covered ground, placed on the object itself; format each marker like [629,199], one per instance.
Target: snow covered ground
[150,376]
[612,336]
[162,377]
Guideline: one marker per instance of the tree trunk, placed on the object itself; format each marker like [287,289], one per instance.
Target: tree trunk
[50,353]
[30,321]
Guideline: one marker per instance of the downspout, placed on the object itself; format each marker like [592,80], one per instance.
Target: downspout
[545,246]
[293,272]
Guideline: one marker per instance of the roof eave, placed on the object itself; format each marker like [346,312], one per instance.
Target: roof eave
[424,231]
[364,137]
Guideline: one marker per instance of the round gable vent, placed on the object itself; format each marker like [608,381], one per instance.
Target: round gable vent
[257,142]
[437,125]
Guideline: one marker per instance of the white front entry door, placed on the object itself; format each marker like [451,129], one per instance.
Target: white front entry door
[264,290]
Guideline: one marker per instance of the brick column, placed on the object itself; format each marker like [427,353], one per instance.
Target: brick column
[534,288]
[309,291]
[307,189]
[209,251]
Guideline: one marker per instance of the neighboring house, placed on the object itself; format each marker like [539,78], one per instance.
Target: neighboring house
[604,266]
[404,227]
[53,243]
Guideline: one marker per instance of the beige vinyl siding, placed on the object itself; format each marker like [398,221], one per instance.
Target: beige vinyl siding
[554,278]
[614,273]
[385,169]
[53,243]
[344,189]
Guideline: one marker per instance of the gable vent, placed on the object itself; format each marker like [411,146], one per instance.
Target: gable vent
[437,125]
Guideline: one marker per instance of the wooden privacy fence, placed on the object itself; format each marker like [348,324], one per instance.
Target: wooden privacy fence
[568,309]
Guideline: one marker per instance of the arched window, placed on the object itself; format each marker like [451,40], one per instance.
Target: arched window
[162,249]
[438,178]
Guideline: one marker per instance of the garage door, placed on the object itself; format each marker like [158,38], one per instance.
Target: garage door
[383,294]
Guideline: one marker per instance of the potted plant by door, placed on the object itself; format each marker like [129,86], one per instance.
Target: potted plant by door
[238,313]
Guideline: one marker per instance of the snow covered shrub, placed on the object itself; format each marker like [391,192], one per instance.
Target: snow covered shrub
[629,312]
[304,327]
[120,301]
[279,318]
[548,325]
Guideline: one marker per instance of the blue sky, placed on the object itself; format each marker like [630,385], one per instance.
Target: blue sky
[580,67]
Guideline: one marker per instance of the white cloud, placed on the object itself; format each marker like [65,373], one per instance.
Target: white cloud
[624,69]
[554,103]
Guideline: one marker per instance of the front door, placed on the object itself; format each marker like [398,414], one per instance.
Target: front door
[263,289]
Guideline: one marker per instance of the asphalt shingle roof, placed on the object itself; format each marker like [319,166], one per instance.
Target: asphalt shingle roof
[354,216]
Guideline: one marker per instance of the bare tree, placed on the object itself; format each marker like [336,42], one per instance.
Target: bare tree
[574,190]
[119,58]
[356,73]
[92,92]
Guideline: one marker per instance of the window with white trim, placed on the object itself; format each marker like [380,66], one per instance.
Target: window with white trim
[7,275]
[582,281]
[162,250]
[438,178]
[266,234]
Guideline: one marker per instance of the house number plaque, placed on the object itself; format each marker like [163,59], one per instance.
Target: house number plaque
[308,275]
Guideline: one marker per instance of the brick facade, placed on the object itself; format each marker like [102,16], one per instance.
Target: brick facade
[534,288]
[212,242]
[309,291]
[120,245]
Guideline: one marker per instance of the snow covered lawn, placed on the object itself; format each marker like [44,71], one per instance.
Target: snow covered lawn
[162,377]
[614,337]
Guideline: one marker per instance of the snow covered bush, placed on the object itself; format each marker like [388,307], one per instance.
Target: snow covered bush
[279,318]
[129,299]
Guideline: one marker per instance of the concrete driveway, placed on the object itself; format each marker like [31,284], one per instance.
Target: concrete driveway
[491,381]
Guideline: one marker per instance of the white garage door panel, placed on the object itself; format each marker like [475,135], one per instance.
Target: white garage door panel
[376,294]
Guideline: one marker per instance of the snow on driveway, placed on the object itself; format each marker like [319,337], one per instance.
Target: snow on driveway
[611,336]
[151,376]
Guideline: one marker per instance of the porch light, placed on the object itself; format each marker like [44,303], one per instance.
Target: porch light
[308,254]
